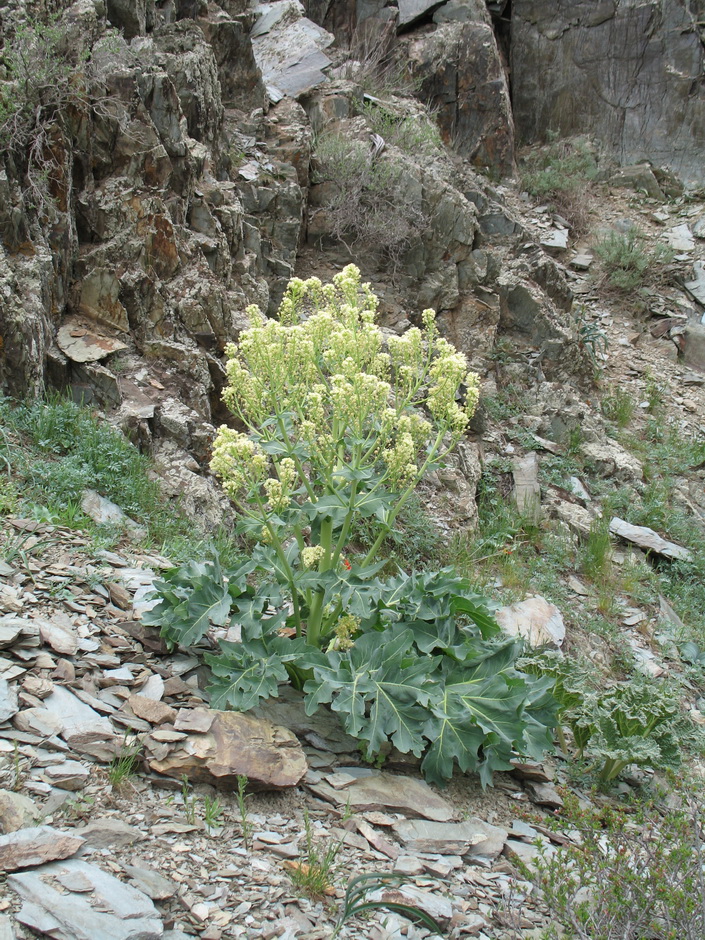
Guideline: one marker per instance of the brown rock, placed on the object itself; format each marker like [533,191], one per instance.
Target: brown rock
[268,755]
[29,847]
[147,708]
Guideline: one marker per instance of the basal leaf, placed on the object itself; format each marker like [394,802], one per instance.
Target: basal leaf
[243,675]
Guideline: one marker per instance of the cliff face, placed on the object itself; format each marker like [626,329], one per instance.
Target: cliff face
[168,177]
[628,72]
[179,190]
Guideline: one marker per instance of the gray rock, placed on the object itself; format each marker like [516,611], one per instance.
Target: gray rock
[544,794]
[680,238]
[105,512]
[648,540]
[155,886]
[6,931]
[639,177]
[62,639]
[412,10]
[441,838]
[108,831]
[560,48]
[438,907]
[472,106]
[80,725]
[288,48]
[693,342]
[383,791]
[527,854]
[26,848]
[82,344]
[696,286]
[555,241]
[70,775]
[11,628]
[527,490]
[9,704]
[111,911]
[611,460]
[17,811]
[536,620]
[582,261]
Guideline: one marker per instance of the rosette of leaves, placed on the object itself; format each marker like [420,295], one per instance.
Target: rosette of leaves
[634,722]
[426,669]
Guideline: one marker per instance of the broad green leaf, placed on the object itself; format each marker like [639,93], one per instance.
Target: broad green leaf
[243,675]
[376,696]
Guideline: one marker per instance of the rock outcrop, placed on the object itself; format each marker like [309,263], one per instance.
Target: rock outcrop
[628,72]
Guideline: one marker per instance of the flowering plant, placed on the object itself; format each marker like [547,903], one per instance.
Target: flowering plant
[341,422]
[338,422]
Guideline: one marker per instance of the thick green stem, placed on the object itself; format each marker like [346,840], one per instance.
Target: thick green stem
[315,616]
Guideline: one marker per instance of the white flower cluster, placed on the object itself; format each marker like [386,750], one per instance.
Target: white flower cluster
[321,380]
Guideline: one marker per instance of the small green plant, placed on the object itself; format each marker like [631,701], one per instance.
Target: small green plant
[212,811]
[592,339]
[618,407]
[314,876]
[636,873]
[357,900]
[631,723]
[655,395]
[596,550]
[416,134]
[560,173]
[628,262]
[123,766]
[188,800]
[245,824]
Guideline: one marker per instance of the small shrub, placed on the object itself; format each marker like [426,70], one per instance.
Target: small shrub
[373,61]
[559,174]
[636,873]
[368,205]
[416,134]
[628,262]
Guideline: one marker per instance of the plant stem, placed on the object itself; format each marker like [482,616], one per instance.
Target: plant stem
[313,632]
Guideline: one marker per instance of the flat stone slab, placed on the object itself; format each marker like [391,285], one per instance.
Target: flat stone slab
[9,704]
[91,905]
[465,838]
[648,540]
[26,848]
[82,344]
[383,791]
[288,48]
[696,286]
[109,831]
[680,238]
[412,10]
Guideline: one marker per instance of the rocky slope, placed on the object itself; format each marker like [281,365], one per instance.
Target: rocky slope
[190,188]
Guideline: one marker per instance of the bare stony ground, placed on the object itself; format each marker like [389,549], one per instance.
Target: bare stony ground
[83,684]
